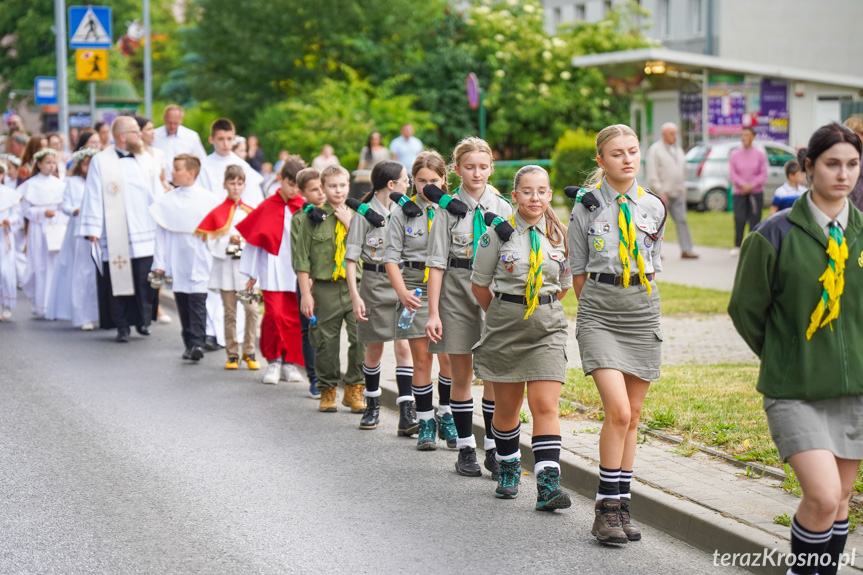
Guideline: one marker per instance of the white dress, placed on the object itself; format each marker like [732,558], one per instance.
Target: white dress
[10,209]
[73,293]
[41,193]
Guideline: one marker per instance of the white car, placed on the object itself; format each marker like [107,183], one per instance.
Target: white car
[707,183]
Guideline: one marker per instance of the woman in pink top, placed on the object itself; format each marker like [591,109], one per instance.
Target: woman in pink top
[748,173]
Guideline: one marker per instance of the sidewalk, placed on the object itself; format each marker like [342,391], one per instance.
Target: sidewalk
[715,268]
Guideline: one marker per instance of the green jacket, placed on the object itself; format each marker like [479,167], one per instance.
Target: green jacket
[775,292]
[313,247]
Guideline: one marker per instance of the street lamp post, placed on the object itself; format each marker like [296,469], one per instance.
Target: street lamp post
[62,82]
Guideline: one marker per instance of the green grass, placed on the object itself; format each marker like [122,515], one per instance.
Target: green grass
[714,229]
[676,300]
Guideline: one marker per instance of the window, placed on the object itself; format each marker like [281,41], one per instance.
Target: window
[662,18]
[580,12]
[607,5]
[696,13]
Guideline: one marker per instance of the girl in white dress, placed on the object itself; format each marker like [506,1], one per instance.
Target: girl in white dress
[10,218]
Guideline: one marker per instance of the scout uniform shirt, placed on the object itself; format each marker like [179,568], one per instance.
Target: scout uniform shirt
[453,237]
[364,240]
[594,237]
[314,246]
[505,265]
[408,238]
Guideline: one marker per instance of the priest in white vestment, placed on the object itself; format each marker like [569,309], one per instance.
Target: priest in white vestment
[115,217]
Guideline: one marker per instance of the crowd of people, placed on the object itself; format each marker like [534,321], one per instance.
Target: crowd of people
[467,275]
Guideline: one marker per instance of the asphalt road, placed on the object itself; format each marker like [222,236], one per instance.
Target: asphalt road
[125,459]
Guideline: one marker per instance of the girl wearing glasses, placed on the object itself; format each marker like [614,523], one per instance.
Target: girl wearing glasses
[519,283]
[615,235]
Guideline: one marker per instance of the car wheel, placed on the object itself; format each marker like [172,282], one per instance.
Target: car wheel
[716,200]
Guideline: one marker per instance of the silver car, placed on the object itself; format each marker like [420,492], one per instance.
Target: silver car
[707,183]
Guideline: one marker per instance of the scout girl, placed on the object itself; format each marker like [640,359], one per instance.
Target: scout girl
[519,283]
[615,236]
[455,319]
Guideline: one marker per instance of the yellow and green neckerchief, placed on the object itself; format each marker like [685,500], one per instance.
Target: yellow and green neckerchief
[534,275]
[430,214]
[832,281]
[629,242]
[341,234]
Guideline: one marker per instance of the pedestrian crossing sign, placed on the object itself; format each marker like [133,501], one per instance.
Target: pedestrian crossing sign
[90,27]
[91,65]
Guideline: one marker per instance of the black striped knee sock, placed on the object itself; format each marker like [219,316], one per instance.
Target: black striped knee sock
[423,397]
[835,547]
[462,414]
[624,483]
[373,377]
[546,451]
[404,378]
[609,481]
[507,443]
[807,547]
[444,386]
[487,414]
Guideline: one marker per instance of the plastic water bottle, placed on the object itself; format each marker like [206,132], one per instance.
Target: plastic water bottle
[407,317]
[313,321]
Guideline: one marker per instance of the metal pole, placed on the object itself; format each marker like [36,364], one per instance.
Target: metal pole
[92,103]
[62,85]
[148,64]
[705,135]
[482,114]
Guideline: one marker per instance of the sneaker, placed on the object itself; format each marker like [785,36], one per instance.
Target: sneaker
[328,400]
[290,373]
[313,391]
[633,533]
[163,318]
[426,435]
[251,362]
[88,326]
[272,375]
[233,363]
[6,314]
[734,252]
[467,464]
[549,495]
[372,415]
[446,429]
[408,424]
[491,463]
[508,479]
[606,525]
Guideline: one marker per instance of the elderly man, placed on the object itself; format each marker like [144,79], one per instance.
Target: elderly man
[666,176]
[176,139]
[406,148]
[115,217]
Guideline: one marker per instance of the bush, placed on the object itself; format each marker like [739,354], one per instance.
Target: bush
[573,160]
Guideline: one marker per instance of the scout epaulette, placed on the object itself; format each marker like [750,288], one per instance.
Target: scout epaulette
[410,208]
[450,203]
[502,228]
[580,195]
[315,214]
[363,209]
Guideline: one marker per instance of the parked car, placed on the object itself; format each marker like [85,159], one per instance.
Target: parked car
[707,182]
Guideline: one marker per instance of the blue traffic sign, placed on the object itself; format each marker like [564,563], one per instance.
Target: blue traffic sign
[90,27]
[45,91]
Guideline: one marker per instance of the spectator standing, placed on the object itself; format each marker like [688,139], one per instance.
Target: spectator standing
[373,152]
[326,158]
[176,139]
[104,131]
[155,156]
[666,177]
[406,148]
[856,197]
[794,187]
[254,153]
[747,168]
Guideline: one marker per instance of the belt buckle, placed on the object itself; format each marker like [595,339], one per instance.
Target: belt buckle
[618,279]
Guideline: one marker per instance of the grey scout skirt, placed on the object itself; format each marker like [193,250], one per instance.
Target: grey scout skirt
[414,279]
[514,349]
[381,305]
[618,328]
[460,314]
[834,424]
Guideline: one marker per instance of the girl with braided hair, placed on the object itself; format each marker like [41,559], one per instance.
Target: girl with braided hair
[798,303]
[615,235]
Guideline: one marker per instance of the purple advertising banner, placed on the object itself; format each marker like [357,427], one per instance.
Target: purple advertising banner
[774,110]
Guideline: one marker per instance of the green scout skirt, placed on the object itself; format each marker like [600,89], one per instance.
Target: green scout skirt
[514,349]
[414,279]
[834,424]
[460,314]
[381,304]
[618,328]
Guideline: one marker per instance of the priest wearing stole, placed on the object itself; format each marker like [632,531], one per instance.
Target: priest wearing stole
[115,217]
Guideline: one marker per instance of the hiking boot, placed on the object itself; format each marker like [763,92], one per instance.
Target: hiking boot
[426,438]
[491,463]
[373,413]
[354,398]
[508,479]
[446,429]
[606,527]
[549,495]
[328,400]
[633,533]
[467,464]
[408,424]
